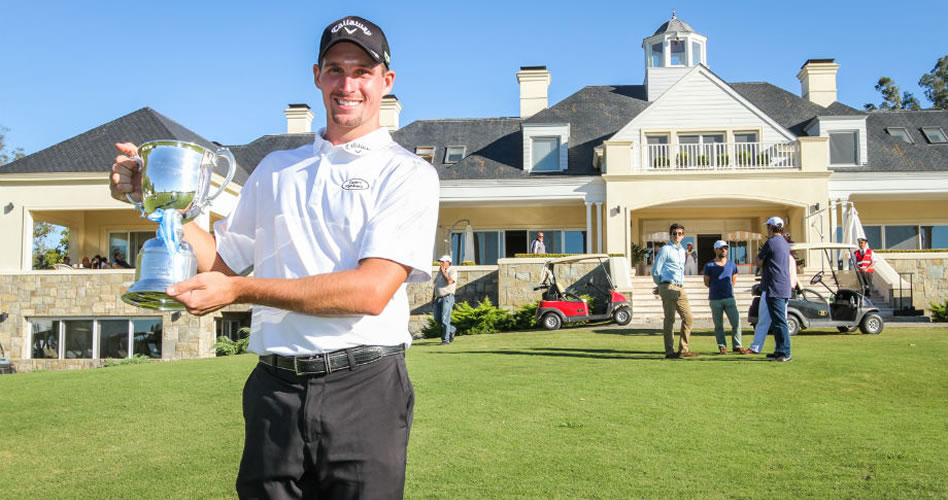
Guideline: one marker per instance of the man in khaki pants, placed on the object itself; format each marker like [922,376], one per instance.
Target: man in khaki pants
[668,272]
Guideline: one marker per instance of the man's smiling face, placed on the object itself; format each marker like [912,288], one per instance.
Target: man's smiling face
[352,85]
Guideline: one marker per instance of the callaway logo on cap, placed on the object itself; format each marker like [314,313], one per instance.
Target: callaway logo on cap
[359,31]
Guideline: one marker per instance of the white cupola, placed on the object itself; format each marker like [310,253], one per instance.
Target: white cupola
[670,53]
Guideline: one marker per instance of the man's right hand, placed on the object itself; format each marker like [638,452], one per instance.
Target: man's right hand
[126,177]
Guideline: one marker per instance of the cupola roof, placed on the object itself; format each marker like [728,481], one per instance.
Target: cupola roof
[674,25]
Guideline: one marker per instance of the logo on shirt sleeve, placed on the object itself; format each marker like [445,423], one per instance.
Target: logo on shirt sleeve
[355,184]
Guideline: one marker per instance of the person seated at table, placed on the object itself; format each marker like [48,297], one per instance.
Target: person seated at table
[118,261]
[85,264]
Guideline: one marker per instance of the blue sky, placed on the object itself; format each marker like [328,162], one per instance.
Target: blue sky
[228,69]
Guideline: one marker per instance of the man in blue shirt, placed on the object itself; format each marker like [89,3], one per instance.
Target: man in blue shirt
[668,272]
[719,276]
[775,282]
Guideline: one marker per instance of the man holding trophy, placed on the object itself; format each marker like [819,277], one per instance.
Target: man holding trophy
[332,231]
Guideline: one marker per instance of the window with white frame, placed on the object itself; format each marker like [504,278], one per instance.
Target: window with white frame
[488,247]
[453,154]
[695,53]
[677,53]
[657,58]
[844,147]
[545,154]
[935,135]
[900,133]
[129,243]
[94,338]
[426,153]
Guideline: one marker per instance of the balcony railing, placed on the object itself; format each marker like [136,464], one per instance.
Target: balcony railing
[722,156]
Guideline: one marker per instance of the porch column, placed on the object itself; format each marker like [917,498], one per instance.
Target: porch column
[588,227]
[599,227]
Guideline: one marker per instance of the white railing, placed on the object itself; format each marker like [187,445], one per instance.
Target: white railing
[721,156]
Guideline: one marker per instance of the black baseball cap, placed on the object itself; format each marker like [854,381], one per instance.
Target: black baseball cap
[359,31]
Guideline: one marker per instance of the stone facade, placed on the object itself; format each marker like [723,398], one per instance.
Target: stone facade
[85,295]
[929,275]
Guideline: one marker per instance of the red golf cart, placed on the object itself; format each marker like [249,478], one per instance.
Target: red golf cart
[559,306]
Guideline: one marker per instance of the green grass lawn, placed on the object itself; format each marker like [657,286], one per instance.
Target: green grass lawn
[579,413]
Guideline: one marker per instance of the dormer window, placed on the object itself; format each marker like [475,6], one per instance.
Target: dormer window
[546,157]
[679,56]
[844,147]
[453,154]
[545,147]
[935,135]
[426,153]
[900,133]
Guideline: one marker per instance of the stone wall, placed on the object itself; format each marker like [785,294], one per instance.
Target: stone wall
[88,294]
[474,283]
[518,277]
[929,275]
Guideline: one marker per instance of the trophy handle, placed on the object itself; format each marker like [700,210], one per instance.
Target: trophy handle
[226,154]
[139,205]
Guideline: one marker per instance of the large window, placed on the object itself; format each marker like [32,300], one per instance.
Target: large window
[907,236]
[488,247]
[492,245]
[546,154]
[843,148]
[657,59]
[92,338]
[129,243]
[678,54]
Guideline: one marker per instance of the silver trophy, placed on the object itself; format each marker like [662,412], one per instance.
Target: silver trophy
[176,178]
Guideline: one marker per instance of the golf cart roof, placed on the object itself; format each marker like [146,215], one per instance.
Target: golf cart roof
[823,246]
[577,258]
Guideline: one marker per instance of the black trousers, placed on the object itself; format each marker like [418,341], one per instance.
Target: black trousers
[341,435]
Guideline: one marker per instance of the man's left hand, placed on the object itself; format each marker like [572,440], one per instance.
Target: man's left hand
[204,293]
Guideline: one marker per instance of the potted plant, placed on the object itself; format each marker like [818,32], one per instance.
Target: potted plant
[637,256]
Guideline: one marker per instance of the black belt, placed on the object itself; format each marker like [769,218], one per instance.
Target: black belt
[318,364]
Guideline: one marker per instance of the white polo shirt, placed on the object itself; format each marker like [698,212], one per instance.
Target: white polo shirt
[320,209]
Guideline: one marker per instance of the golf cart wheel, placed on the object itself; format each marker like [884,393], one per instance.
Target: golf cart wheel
[872,324]
[622,316]
[793,324]
[550,321]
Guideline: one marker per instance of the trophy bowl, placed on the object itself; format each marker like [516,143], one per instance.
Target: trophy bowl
[176,179]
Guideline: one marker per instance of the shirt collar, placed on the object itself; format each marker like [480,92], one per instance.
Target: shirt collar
[355,148]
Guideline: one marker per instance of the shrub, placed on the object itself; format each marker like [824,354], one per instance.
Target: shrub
[660,162]
[136,359]
[724,160]
[940,312]
[703,160]
[485,318]
[224,346]
[681,159]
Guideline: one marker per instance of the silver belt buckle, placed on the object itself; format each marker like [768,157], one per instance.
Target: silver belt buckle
[326,361]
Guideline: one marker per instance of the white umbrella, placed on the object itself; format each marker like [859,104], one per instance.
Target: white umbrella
[469,254]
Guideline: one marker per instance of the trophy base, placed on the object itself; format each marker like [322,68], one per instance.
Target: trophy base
[151,295]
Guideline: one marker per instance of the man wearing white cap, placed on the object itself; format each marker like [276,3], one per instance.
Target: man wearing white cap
[719,276]
[445,284]
[774,262]
[865,259]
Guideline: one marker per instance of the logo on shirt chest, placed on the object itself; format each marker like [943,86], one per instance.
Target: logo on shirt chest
[355,184]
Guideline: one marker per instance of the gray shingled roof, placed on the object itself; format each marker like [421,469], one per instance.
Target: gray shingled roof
[251,154]
[674,24]
[93,151]
[493,146]
[888,153]
[789,110]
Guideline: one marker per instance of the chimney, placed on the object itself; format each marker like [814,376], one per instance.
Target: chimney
[534,82]
[388,112]
[299,119]
[818,81]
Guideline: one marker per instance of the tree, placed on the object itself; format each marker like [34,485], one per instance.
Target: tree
[891,98]
[935,84]
[43,256]
[7,156]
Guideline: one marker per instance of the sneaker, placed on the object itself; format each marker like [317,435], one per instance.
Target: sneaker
[672,356]
[782,359]
[772,355]
[722,351]
[445,342]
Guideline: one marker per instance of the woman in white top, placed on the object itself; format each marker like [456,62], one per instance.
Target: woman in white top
[691,260]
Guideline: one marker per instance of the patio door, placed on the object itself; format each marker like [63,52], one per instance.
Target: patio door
[706,249]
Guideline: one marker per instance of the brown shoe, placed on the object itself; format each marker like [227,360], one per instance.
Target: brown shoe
[741,350]
[723,351]
[688,354]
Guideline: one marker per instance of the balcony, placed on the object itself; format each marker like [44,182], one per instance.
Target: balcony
[721,156]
